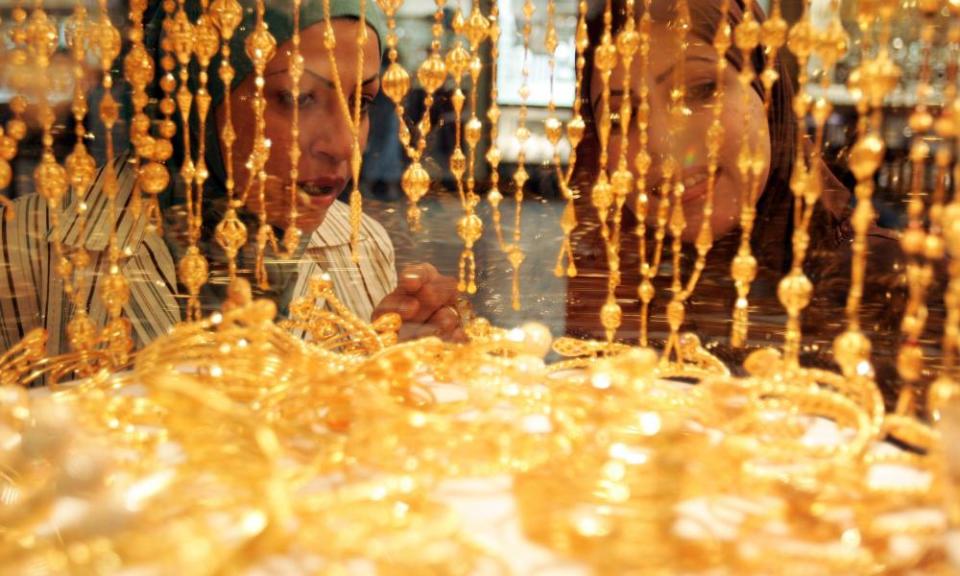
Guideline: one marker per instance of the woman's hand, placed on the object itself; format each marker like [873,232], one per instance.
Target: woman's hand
[426,302]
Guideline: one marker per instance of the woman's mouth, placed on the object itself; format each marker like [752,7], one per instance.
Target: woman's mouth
[321,192]
[695,185]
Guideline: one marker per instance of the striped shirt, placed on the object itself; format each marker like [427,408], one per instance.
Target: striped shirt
[32,295]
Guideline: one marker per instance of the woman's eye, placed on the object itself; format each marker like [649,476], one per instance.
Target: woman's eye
[702,92]
[286,99]
[365,103]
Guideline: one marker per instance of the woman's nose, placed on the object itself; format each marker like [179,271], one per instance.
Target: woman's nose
[327,134]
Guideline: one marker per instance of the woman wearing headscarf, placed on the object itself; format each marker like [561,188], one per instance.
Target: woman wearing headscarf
[31,294]
[771,129]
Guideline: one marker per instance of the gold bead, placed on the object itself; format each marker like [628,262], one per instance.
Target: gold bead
[470,228]
[206,41]
[458,163]
[16,128]
[795,291]
[602,196]
[51,180]
[746,35]
[553,129]
[763,362]
[81,167]
[6,173]
[627,43]
[138,67]
[81,331]
[866,156]
[261,47]
[396,83]
[472,131]
[415,182]
[850,349]
[575,130]
[227,15]
[115,294]
[912,240]
[606,56]
[109,110]
[646,291]
[942,392]
[773,33]
[675,314]
[951,228]
[744,268]
[910,362]
[621,184]
[477,28]
[432,73]
[193,270]
[154,178]
[611,315]
[800,39]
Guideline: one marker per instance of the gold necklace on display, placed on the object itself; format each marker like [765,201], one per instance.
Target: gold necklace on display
[230,233]
[353,119]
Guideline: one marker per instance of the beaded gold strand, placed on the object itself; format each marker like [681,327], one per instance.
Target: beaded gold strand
[795,289]
[470,227]
[261,46]
[575,129]
[193,269]
[353,119]
[869,84]
[606,60]
[116,334]
[704,240]
[945,388]
[494,196]
[81,168]
[678,223]
[642,162]
[627,44]
[514,252]
[230,233]
[50,178]
[920,246]
[772,35]
[292,234]
[16,128]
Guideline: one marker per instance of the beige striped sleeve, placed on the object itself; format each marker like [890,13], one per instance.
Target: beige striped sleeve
[359,286]
[24,268]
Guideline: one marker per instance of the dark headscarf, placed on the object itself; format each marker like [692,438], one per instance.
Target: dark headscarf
[278,17]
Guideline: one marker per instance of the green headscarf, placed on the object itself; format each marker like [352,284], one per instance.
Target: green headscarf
[278,17]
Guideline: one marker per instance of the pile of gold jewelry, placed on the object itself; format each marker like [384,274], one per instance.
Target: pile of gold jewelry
[231,446]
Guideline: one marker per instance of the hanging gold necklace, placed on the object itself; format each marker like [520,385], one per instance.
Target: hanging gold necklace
[261,47]
[16,128]
[795,289]
[514,252]
[627,43]
[193,268]
[869,84]
[921,247]
[470,227]
[81,168]
[494,196]
[230,233]
[575,128]
[115,287]
[748,35]
[293,234]
[642,162]
[354,118]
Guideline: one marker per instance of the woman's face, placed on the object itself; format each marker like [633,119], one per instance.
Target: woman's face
[742,116]
[325,138]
